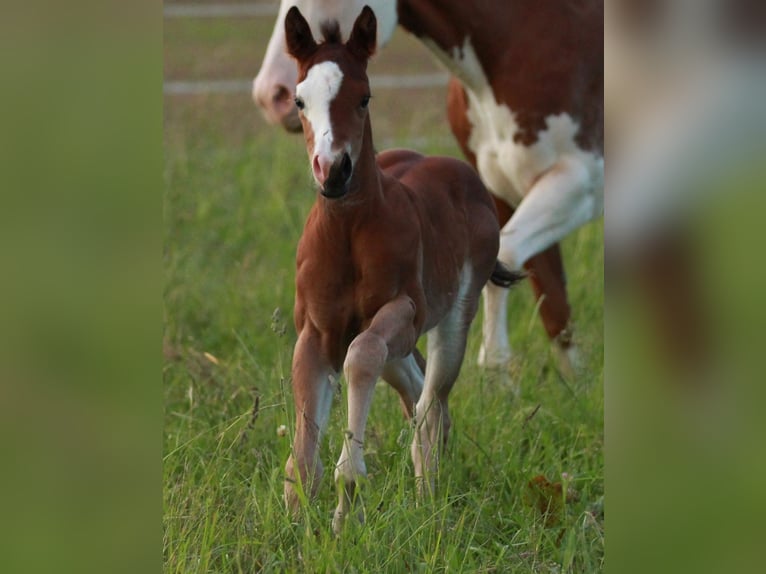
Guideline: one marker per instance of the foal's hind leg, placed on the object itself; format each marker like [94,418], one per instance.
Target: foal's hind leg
[446,348]
[390,336]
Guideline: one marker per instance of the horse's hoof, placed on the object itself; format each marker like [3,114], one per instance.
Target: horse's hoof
[568,359]
[496,359]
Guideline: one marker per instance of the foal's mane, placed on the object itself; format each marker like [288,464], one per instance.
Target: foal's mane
[330,30]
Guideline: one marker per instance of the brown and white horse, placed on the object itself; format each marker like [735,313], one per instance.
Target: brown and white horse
[394,246]
[527,112]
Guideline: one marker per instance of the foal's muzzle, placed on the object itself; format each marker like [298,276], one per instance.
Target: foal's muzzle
[336,184]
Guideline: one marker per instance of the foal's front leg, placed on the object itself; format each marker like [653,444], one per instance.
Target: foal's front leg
[312,392]
[391,335]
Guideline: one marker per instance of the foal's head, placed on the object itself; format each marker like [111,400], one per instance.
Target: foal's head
[332,95]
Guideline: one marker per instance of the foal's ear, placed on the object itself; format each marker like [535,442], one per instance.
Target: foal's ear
[363,37]
[300,40]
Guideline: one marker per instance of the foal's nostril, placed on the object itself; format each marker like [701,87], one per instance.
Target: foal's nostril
[345,167]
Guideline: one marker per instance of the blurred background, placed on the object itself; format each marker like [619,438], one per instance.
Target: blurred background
[683,338]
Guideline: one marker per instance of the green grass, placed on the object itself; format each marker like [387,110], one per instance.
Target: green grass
[237,193]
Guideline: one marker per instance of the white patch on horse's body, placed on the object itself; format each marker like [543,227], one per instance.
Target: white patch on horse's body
[317,12]
[388,18]
[318,91]
[511,169]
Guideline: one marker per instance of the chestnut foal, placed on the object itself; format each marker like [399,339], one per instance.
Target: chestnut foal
[394,246]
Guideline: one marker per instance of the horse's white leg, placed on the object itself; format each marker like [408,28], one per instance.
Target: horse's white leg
[495,350]
[566,197]
[390,335]
[548,281]
[446,348]
[407,378]
[312,392]
[567,354]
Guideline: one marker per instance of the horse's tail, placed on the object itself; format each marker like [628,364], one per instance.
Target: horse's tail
[504,277]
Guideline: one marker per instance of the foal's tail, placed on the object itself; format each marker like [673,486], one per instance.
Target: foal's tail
[504,277]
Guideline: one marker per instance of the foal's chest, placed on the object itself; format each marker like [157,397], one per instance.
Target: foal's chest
[341,294]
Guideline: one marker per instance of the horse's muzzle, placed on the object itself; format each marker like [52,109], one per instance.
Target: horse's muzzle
[336,184]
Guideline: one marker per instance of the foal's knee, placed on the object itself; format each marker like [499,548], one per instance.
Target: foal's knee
[365,357]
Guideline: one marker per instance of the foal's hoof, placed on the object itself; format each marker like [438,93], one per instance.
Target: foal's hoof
[292,502]
[339,520]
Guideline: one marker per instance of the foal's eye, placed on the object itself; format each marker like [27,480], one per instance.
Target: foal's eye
[299,103]
[365,102]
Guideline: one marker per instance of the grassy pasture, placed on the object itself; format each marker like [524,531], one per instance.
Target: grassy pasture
[237,192]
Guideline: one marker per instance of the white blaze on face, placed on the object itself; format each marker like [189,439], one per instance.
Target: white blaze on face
[317,92]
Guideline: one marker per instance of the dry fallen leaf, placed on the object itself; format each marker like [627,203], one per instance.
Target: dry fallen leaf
[546,497]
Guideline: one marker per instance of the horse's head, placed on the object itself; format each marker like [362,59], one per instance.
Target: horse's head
[332,95]
[274,86]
